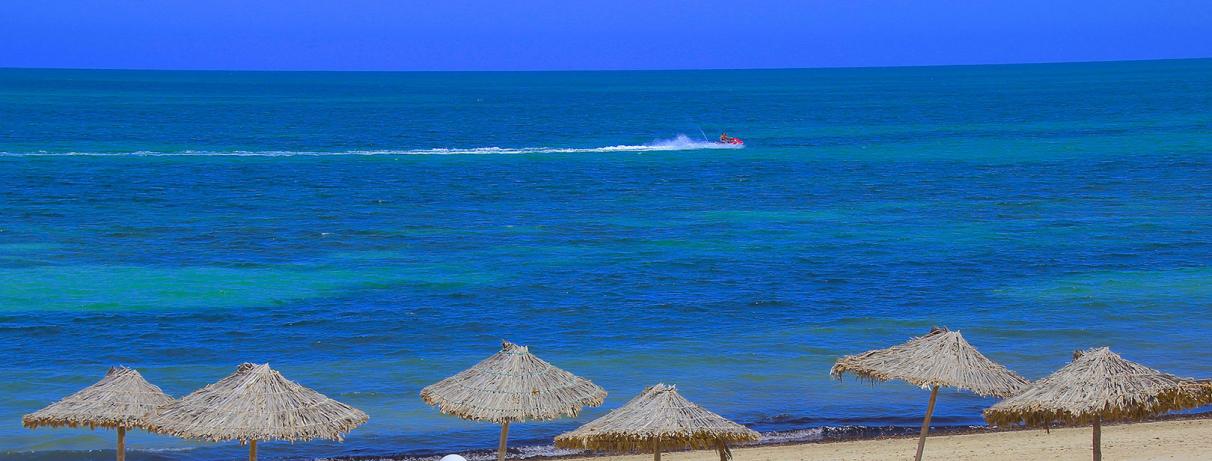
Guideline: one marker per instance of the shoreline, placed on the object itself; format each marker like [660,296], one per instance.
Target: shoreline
[1171,437]
[879,446]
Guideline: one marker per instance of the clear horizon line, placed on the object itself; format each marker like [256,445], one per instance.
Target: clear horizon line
[894,66]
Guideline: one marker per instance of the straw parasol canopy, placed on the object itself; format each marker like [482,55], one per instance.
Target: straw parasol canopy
[1098,386]
[941,358]
[656,419]
[120,400]
[512,385]
[256,403]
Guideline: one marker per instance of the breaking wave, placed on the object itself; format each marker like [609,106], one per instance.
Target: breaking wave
[680,142]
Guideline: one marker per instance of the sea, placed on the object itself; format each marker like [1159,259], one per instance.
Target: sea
[370,233]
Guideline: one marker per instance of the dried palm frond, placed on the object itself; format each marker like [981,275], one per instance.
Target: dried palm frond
[1099,385]
[256,403]
[121,399]
[658,416]
[512,385]
[941,358]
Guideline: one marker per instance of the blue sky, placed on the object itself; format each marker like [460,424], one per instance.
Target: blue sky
[591,34]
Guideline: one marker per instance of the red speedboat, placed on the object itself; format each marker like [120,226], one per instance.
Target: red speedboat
[725,139]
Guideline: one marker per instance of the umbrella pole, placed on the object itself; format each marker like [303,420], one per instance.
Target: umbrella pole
[1098,439]
[921,441]
[504,437]
[252,450]
[121,443]
[656,450]
[725,453]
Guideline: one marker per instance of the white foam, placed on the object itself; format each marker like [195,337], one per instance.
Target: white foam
[680,142]
[815,434]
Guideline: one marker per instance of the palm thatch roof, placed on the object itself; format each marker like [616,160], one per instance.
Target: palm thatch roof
[1099,385]
[513,385]
[256,403]
[658,415]
[121,399]
[940,358]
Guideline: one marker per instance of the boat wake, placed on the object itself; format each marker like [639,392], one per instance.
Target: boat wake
[681,142]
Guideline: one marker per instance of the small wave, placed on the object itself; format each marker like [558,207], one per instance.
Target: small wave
[681,142]
[515,452]
[792,436]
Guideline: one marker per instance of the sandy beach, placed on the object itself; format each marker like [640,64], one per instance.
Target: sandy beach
[1168,440]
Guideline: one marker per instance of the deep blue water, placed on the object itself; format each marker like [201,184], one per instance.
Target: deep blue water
[370,233]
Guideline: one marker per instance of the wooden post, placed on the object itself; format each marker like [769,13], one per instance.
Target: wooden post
[504,437]
[121,443]
[725,453]
[1098,439]
[252,450]
[921,441]
[656,450]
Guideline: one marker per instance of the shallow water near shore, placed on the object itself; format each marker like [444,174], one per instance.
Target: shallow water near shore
[370,234]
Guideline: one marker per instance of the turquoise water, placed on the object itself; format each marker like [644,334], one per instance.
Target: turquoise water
[370,233]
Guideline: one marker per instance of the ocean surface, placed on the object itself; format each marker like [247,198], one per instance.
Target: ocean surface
[368,234]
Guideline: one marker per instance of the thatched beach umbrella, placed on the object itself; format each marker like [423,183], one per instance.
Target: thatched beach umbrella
[1098,386]
[512,385]
[659,418]
[941,358]
[121,400]
[256,403]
